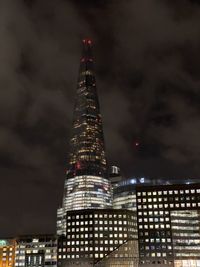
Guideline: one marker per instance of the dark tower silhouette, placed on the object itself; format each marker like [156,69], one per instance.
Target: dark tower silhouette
[86,184]
[87,150]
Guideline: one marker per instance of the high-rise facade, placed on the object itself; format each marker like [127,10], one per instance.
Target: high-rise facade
[87,150]
[169,225]
[94,234]
[86,185]
[168,219]
[90,231]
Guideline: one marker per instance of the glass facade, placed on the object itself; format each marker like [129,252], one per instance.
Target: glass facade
[86,185]
[169,224]
[91,192]
[124,197]
[185,225]
[187,263]
[87,151]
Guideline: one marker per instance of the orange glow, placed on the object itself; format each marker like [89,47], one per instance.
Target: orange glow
[7,253]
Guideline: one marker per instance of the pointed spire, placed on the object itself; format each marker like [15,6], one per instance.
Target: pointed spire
[86,184]
[87,151]
[86,51]
[87,45]
[86,71]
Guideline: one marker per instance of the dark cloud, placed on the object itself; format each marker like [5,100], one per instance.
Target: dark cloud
[39,64]
[157,53]
[147,55]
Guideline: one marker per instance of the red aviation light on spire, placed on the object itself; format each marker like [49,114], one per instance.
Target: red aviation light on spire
[87,41]
[137,143]
[78,165]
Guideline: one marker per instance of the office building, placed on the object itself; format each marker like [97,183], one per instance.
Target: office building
[7,252]
[124,192]
[169,225]
[167,215]
[36,251]
[124,195]
[93,235]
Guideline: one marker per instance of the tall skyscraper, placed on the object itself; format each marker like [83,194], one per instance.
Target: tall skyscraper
[86,185]
[90,230]
[87,151]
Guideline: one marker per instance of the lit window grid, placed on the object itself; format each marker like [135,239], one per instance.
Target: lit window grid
[156,206]
[87,142]
[186,233]
[7,252]
[41,251]
[187,263]
[87,237]
[83,192]
[125,202]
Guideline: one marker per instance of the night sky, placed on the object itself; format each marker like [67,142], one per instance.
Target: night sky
[147,69]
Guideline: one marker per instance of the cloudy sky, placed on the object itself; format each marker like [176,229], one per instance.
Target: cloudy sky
[147,70]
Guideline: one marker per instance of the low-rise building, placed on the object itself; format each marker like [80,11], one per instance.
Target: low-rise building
[169,225]
[7,252]
[94,234]
[36,251]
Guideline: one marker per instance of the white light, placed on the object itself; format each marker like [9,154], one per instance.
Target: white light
[142,180]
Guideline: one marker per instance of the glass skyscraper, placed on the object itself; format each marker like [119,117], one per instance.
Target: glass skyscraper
[87,151]
[86,185]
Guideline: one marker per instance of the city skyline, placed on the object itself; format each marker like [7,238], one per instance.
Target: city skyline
[156,108]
